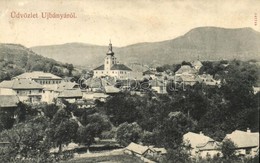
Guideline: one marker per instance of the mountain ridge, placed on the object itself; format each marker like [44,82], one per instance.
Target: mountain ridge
[209,43]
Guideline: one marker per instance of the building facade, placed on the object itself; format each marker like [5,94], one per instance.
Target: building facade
[111,67]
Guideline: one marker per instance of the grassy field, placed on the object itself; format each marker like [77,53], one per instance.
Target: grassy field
[108,159]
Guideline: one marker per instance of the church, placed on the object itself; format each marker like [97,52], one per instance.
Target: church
[111,67]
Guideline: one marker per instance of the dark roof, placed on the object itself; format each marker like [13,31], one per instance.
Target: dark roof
[20,84]
[115,67]
[100,67]
[120,67]
[8,101]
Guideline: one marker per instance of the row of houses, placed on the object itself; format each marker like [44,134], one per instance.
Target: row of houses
[36,87]
[246,142]
[200,145]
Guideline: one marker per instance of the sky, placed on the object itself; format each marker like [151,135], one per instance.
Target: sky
[124,22]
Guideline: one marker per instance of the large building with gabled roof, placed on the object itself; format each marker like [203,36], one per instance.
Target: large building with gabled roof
[111,67]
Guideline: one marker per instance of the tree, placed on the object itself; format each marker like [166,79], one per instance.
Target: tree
[228,149]
[171,131]
[127,133]
[92,126]
[62,129]
[27,142]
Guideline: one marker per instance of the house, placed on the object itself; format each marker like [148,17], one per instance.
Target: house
[196,64]
[27,90]
[247,143]
[155,152]
[8,102]
[70,95]
[111,67]
[92,96]
[51,92]
[209,149]
[201,145]
[208,80]
[158,85]
[185,70]
[136,149]
[40,77]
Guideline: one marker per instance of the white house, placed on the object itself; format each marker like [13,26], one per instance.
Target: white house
[201,145]
[111,67]
[27,90]
[247,142]
[40,77]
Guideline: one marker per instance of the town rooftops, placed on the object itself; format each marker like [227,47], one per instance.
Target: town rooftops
[136,148]
[8,101]
[38,75]
[17,84]
[244,139]
[115,67]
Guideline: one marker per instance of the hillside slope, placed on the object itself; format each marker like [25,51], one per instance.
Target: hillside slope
[207,43]
[16,59]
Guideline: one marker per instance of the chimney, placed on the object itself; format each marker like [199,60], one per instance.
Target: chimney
[201,133]
[248,130]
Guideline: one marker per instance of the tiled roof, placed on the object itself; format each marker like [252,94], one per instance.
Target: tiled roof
[102,67]
[93,82]
[67,85]
[244,139]
[115,67]
[37,75]
[20,84]
[70,93]
[195,139]
[210,145]
[120,67]
[8,101]
[139,149]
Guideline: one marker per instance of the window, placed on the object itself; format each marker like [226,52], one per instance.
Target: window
[107,62]
[248,151]
[30,92]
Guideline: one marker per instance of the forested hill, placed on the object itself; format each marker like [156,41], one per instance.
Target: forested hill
[16,59]
[209,43]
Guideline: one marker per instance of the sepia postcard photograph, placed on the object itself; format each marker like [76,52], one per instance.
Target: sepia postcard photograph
[120,81]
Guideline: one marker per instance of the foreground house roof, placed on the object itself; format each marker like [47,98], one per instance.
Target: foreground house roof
[244,139]
[17,84]
[139,149]
[115,67]
[8,101]
[195,139]
[210,145]
[37,75]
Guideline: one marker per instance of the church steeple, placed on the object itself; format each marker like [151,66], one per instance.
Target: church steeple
[110,49]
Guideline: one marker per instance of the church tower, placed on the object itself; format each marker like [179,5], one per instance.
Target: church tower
[110,60]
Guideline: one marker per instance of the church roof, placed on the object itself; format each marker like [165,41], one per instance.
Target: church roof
[115,67]
[100,68]
[120,67]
